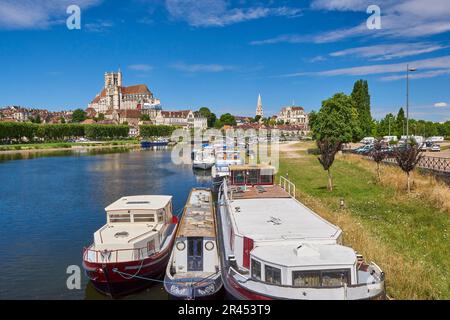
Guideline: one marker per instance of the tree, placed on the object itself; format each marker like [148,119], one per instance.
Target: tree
[361,98]
[145,117]
[62,120]
[78,116]
[206,113]
[335,121]
[378,155]
[401,122]
[407,158]
[328,150]
[228,119]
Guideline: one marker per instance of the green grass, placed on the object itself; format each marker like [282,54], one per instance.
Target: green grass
[63,145]
[406,226]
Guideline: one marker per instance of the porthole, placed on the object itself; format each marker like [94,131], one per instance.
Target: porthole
[180,246]
[209,245]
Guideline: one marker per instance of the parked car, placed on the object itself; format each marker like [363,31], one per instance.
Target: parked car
[423,147]
[368,140]
[82,140]
[435,148]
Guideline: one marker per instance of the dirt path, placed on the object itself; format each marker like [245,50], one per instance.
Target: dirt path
[291,149]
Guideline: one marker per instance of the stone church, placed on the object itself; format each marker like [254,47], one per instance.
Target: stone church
[115,97]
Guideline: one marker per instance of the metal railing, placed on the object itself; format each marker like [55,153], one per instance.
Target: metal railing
[288,186]
[437,164]
[115,256]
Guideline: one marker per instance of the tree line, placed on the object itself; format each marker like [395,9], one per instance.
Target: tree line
[16,131]
[147,131]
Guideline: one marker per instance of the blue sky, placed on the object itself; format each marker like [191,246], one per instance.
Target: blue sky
[223,53]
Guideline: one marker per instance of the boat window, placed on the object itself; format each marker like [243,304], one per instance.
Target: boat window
[273,275]
[266,179]
[119,218]
[326,278]
[256,269]
[306,279]
[335,278]
[161,216]
[239,177]
[141,217]
[252,177]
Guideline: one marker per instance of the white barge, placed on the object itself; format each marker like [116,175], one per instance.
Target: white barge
[193,271]
[274,247]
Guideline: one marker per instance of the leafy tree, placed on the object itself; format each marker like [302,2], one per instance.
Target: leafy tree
[101,117]
[361,98]
[328,149]
[407,159]
[228,119]
[335,121]
[62,120]
[401,122]
[206,113]
[36,119]
[78,116]
[378,155]
[145,117]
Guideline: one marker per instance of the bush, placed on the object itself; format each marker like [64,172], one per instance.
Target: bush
[156,131]
[100,131]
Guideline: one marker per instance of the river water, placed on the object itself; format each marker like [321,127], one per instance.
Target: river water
[52,203]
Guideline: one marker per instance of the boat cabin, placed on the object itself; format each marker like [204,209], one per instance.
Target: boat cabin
[241,175]
[195,250]
[136,228]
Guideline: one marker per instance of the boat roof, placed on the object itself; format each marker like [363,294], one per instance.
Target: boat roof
[140,203]
[198,215]
[306,255]
[280,218]
[252,167]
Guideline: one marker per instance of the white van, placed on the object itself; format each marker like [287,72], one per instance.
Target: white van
[368,140]
[436,139]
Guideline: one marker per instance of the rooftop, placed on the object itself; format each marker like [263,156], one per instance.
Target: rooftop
[280,219]
[306,255]
[198,219]
[140,203]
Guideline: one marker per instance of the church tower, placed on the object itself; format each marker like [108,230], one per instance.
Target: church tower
[113,84]
[259,107]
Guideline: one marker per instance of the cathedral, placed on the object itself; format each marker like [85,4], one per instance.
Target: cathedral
[115,96]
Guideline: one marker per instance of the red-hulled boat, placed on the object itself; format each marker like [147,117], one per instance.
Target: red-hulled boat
[274,247]
[133,247]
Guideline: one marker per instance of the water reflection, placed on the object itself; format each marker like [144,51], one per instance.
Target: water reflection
[51,204]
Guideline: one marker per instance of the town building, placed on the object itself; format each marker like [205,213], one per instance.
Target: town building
[294,115]
[186,118]
[115,96]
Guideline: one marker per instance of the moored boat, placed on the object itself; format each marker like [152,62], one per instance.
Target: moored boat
[193,271]
[204,159]
[154,143]
[221,169]
[274,247]
[133,247]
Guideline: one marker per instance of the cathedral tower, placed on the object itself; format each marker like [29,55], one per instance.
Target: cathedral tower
[259,107]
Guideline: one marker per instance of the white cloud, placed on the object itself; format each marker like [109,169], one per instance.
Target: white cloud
[98,26]
[140,67]
[389,51]
[217,13]
[427,68]
[206,68]
[30,14]
[441,105]
[400,19]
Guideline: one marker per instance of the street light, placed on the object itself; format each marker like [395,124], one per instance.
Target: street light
[408,70]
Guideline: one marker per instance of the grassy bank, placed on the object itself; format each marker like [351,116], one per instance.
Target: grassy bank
[64,145]
[407,235]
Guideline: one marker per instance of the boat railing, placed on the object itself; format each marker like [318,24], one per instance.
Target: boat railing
[116,256]
[288,186]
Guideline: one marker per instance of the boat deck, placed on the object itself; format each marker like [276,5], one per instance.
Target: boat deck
[258,192]
[198,218]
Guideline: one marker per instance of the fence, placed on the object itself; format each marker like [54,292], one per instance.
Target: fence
[437,164]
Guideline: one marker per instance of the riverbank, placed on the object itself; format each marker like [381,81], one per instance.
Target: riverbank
[61,146]
[407,235]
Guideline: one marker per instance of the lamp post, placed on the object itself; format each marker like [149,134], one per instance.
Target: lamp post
[408,70]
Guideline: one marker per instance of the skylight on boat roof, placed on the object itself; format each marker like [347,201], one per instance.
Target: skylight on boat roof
[138,202]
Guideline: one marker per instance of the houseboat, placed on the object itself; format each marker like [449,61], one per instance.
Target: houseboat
[221,169]
[193,271]
[133,246]
[204,159]
[146,144]
[274,247]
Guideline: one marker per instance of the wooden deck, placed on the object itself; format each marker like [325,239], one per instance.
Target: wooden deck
[198,217]
[259,192]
